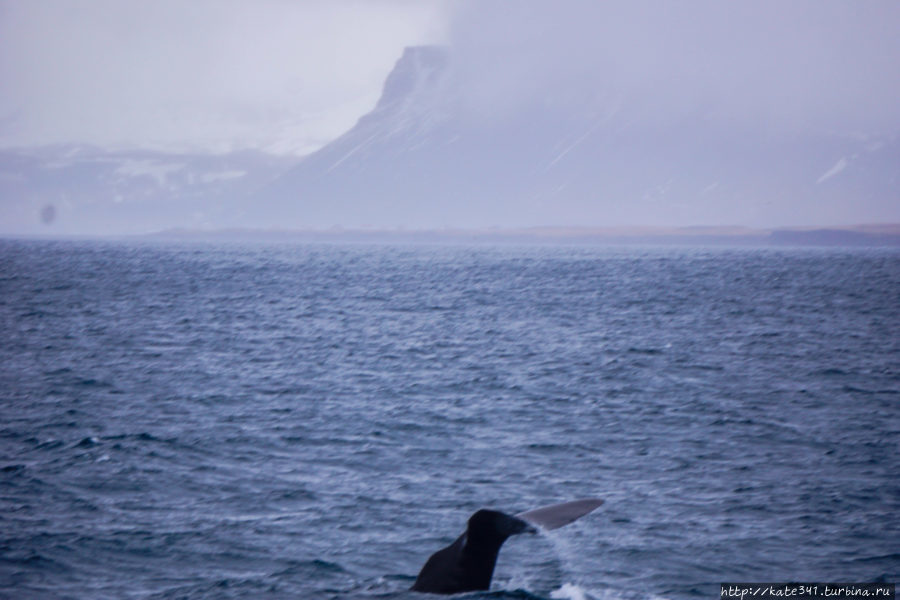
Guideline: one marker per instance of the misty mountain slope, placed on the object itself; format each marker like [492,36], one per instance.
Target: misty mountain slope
[429,155]
[98,191]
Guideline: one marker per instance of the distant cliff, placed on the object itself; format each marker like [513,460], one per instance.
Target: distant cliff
[427,156]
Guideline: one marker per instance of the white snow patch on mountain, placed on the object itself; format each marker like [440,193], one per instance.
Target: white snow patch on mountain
[839,166]
[221,176]
[149,168]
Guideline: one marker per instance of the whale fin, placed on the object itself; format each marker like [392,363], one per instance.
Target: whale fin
[557,515]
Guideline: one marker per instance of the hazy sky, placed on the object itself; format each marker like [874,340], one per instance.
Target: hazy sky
[289,75]
[284,75]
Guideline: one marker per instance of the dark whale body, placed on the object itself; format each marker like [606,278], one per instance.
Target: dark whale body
[468,563]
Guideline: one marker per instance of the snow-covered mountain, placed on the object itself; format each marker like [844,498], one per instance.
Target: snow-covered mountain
[86,190]
[431,155]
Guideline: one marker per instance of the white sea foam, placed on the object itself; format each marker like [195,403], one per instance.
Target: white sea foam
[569,591]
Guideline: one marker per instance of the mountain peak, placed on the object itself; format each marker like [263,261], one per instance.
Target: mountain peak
[420,67]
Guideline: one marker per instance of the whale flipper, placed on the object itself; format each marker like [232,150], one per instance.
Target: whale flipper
[557,515]
[467,564]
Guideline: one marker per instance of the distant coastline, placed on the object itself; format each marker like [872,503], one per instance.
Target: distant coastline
[874,235]
[856,236]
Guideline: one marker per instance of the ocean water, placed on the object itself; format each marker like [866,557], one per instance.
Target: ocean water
[313,421]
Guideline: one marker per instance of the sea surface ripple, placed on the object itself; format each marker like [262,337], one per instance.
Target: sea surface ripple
[312,421]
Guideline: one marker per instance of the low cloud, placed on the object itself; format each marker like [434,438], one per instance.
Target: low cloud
[828,64]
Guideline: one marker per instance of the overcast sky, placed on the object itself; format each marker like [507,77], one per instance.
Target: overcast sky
[287,76]
[282,75]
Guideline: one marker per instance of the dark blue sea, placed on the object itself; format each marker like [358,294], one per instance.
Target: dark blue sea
[313,421]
